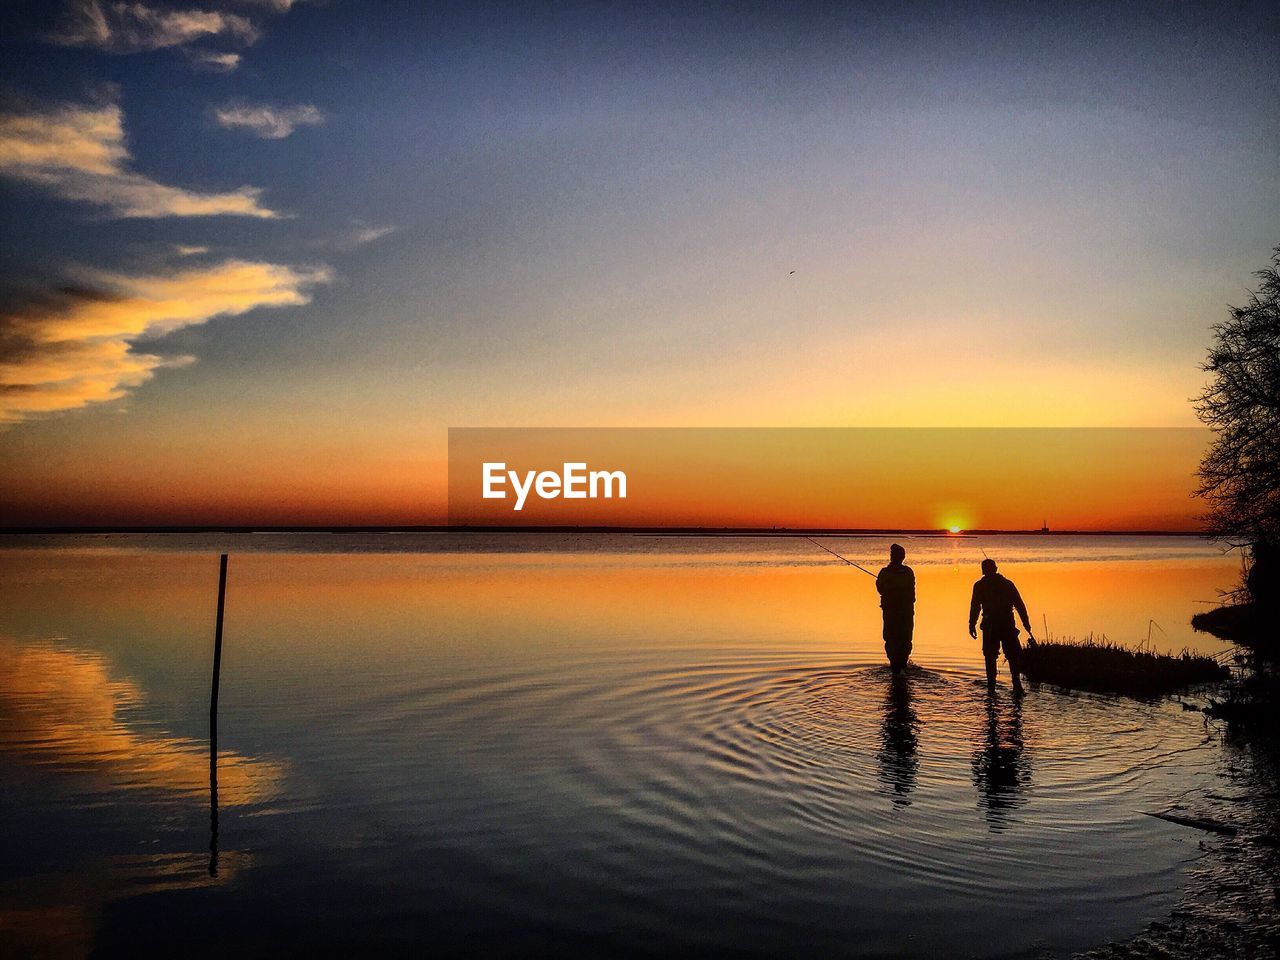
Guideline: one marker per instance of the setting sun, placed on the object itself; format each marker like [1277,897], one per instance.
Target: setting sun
[591,390]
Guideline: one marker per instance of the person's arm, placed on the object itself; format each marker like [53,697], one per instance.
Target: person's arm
[912,574]
[974,605]
[1022,610]
[880,583]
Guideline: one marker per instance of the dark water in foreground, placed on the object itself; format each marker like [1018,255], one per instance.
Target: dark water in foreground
[597,746]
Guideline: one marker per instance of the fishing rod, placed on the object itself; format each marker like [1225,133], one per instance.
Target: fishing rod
[838,557]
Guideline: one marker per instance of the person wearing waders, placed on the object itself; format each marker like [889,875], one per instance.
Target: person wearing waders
[997,598]
[896,585]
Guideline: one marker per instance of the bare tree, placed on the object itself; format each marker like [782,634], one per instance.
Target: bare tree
[1240,474]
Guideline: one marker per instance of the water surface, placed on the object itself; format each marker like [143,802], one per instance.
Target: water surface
[583,744]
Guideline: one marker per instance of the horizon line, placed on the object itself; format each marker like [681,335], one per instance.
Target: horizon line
[54,530]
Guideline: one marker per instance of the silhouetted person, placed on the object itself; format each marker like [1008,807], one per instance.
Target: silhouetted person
[1001,772]
[899,762]
[896,585]
[997,598]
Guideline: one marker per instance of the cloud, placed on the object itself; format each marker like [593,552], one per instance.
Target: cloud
[75,348]
[189,250]
[126,27]
[357,234]
[78,153]
[278,6]
[267,122]
[369,234]
[216,60]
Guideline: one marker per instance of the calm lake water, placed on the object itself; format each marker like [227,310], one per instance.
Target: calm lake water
[594,745]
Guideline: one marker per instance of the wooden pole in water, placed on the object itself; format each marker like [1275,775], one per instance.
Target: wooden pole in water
[213,720]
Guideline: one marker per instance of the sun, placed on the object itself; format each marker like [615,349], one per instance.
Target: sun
[953,529]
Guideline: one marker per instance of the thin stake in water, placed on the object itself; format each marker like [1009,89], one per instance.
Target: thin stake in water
[213,721]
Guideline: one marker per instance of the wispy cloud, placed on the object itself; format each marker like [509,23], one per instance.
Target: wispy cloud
[78,153]
[215,60]
[356,234]
[75,348]
[128,27]
[279,6]
[365,235]
[268,122]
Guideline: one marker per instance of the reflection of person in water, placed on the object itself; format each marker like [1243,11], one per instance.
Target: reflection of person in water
[896,585]
[1001,770]
[898,742]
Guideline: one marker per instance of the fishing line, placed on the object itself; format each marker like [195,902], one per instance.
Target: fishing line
[845,559]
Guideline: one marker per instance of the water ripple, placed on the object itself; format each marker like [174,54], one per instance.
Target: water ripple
[832,780]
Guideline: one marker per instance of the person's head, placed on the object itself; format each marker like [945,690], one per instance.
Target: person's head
[897,554]
[988,567]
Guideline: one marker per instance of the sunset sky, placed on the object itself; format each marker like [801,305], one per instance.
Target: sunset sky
[261,254]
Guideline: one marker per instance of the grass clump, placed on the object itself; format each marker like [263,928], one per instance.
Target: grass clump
[1104,666]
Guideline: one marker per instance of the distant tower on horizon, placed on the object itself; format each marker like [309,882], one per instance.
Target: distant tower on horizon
[1045,527]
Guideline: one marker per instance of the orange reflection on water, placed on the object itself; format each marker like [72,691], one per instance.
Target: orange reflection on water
[60,706]
[606,674]
[518,605]
[513,605]
[322,619]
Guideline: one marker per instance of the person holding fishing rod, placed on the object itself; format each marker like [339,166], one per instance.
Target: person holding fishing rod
[896,585]
[996,597]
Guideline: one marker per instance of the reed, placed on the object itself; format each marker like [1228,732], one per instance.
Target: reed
[1104,666]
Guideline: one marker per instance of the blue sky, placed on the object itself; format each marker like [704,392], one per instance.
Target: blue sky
[589,214]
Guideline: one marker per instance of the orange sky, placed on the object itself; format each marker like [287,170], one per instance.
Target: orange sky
[1014,479]
[915,479]
[271,309]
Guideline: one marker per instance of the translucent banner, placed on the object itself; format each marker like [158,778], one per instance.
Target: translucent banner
[826,478]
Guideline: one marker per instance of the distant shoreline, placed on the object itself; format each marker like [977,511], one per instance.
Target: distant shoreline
[643,531]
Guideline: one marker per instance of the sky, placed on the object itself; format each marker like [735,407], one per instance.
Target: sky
[262,254]
[1099,479]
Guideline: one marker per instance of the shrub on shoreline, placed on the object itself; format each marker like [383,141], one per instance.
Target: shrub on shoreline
[1103,666]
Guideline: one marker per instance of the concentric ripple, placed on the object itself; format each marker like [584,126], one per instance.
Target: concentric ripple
[832,801]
